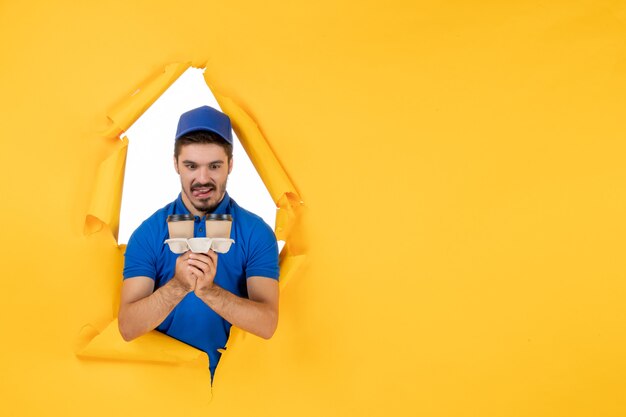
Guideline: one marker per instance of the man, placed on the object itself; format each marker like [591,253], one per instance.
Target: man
[195,297]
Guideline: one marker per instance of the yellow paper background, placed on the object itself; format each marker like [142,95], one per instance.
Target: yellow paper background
[461,165]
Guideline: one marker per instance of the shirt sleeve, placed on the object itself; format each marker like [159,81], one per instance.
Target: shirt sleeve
[140,257]
[263,253]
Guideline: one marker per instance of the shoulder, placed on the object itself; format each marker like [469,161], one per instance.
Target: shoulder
[249,223]
[257,243]
[146,244]
[154,226]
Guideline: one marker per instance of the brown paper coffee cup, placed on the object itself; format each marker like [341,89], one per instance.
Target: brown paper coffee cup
[180,226]
[218,225]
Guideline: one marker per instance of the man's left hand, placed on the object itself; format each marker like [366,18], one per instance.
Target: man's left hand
[205,267]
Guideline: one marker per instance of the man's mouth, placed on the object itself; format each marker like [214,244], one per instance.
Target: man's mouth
[202,192]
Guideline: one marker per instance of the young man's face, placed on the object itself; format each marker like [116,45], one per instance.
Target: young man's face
[203,170]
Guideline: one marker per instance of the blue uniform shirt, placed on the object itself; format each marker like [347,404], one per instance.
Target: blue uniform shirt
[254,253]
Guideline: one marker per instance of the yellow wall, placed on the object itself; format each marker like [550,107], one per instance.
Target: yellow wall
[461,165]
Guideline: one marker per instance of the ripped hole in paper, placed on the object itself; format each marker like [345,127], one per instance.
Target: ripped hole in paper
[150,181]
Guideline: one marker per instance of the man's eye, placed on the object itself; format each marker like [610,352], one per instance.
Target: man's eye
[190,166]
[214,166]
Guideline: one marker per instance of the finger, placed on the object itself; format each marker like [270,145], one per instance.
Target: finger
[199,277]
[195,273]
[184,257]
[181,257]
[203,267]
[200,257]
[212,255]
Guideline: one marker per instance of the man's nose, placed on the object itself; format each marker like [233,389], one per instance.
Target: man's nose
[204,175]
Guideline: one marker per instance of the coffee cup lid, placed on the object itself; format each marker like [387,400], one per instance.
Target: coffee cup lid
[213,216]
[179,217]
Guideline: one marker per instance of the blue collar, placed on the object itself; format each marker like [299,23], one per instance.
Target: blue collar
[222,207]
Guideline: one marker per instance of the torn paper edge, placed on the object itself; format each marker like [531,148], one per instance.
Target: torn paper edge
[106,197]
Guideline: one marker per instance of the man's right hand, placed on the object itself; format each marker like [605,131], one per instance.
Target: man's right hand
[183,276]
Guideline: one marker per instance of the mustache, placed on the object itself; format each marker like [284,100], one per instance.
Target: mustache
[207,185]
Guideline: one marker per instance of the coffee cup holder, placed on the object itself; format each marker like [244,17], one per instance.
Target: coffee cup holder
[199,244]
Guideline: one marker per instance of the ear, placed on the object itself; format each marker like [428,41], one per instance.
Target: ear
[230,166]
[176,166]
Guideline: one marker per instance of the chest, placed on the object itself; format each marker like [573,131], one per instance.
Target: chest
[231,268]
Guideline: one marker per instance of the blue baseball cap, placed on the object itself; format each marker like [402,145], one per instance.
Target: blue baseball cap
[205,118]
